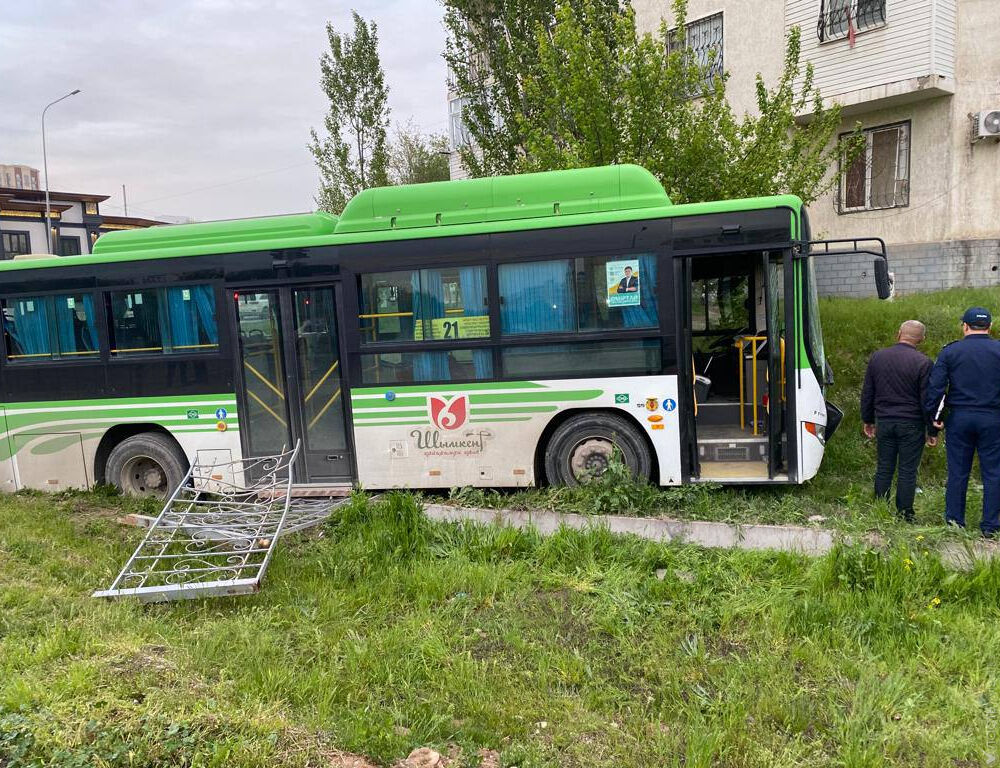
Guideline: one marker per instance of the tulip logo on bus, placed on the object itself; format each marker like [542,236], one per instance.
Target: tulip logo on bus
[448,414]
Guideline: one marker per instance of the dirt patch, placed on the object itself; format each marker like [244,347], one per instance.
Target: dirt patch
[146,659]
[557,608]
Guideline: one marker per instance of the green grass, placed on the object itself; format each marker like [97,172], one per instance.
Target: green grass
[842,491]
[383,631]
[388,632]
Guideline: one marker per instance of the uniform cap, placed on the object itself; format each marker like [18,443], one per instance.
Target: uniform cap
[977,317]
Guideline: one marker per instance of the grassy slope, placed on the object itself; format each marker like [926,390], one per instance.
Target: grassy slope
[841,492]
[389,632]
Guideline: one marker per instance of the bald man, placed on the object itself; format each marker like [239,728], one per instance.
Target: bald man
[892,409]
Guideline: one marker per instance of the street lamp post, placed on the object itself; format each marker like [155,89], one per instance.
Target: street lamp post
[45,164]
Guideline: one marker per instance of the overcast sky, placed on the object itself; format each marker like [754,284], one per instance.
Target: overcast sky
[202,108]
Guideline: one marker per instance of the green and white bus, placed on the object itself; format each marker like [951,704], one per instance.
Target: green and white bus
[501,332]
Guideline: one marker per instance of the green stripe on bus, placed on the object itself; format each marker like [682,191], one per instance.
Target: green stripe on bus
[392,424]
[491,419]
[435,388]
[170,413]
[397,414]
[517,409]
[536,397]
[399,403]
[223,400]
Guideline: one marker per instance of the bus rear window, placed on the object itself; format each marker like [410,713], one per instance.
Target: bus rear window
[50,327]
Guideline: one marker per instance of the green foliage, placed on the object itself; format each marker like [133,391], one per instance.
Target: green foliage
[415,158]
[558,84]
[353,155]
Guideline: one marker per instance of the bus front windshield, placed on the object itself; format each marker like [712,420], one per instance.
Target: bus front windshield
[814,330]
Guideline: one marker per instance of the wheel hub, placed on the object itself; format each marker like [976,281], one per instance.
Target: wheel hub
[591,458]
[143,476]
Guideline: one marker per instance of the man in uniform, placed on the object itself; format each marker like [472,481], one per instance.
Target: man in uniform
[966,380]
[892,411]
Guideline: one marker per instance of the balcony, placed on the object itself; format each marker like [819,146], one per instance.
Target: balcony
[873,54]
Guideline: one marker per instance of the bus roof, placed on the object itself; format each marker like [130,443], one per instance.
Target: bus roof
[470,206]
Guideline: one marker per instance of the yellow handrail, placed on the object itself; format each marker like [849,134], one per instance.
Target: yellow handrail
[741,342]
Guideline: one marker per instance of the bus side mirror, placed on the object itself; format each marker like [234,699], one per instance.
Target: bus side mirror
[883,281]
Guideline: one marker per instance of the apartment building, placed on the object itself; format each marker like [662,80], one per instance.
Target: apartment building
[922,79]
[19,177]
[75,219]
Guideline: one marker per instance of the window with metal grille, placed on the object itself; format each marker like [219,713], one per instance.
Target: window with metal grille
[458,131]
[704,39]
[836,17]
[879,177]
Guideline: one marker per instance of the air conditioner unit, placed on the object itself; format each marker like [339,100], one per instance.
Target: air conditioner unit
[986,125]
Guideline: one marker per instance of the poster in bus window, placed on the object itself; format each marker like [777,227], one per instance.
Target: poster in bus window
[624,283]
[387,305]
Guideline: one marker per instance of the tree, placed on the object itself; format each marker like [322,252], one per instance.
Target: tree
[415,158]
[586,89]
[354,154]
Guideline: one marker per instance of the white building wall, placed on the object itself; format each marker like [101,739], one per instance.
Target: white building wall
[975,184]
[752,40]
[74,214]
[927,216]
[916,41]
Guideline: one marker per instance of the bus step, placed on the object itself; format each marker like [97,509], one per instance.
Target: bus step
[321,490]
[721,412]
[733,450]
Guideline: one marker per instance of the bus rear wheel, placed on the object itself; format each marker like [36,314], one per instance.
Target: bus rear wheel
[583,447]
[146,465]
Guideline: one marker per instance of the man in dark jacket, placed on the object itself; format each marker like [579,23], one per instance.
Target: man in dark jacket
[966,381]
[892,409]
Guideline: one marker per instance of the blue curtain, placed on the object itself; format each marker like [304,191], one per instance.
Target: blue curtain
[204,302]
[646,314]
[89,333]
[428,303]
[192,319]
[75,336]
[183,318]
[537,297]
[472,281]
[32,326]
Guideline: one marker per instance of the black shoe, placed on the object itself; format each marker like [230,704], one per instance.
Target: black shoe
[992,535]
[907,515]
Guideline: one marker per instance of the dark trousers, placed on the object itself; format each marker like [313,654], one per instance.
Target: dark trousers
[899,442]
[968,431]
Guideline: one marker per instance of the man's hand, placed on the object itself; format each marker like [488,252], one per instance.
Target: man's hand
[932,440]
[938,425]
[869,430]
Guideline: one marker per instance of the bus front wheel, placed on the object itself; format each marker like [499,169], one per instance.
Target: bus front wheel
[148,464]
[583,447]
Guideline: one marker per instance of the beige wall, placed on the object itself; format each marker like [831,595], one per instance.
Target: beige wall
[753,40]
[954,184]
[975,186]
[926,218]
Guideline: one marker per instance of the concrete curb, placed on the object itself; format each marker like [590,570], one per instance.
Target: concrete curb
[756,537]
[782,538]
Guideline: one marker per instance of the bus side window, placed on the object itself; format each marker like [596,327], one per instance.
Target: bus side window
[39,328]
[163,320]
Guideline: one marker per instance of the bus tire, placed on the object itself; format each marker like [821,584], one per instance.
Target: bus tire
[149,464]
[582,447]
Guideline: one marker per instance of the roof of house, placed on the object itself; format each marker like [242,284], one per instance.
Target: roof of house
[39,194]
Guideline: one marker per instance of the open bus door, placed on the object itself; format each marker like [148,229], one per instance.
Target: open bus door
[733,364]
[688,405]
